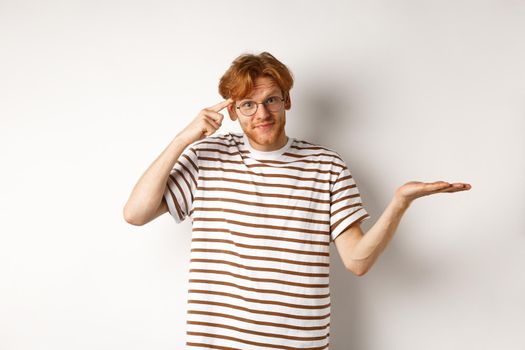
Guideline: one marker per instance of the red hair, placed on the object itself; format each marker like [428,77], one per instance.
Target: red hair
[238,81]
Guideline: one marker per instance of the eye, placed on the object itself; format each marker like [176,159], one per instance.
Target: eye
[247,104]
[271,100]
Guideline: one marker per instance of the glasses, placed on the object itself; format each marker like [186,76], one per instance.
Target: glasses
[272,103]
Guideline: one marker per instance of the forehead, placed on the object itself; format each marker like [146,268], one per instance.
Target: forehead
[262,87]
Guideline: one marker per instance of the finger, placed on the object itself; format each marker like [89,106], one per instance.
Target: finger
[438,185]
[218,117]
[208,129]
[461,184]
[456,188]
[212,122]
[221,105]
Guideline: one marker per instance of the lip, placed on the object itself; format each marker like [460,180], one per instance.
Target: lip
[264,126]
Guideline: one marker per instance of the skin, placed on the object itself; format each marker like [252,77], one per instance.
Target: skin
[263,140]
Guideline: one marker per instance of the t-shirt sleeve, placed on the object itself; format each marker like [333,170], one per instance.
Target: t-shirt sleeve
[182,184]
[346,206]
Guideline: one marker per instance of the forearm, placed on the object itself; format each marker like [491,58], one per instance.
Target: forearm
[372,244]
[147,193]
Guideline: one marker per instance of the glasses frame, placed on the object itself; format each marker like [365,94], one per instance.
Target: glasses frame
[261,103]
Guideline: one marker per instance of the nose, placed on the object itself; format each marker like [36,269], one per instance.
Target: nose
[262,112]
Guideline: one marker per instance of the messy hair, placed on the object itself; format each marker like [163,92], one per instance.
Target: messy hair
[238,81]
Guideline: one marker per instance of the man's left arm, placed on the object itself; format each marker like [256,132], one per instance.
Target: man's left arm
[360,251]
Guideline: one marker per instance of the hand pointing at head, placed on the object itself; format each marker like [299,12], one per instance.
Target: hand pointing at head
[205,123]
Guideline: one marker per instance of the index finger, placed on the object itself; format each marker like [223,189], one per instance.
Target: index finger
[221,105]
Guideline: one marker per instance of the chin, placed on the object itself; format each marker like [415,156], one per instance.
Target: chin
[265,137]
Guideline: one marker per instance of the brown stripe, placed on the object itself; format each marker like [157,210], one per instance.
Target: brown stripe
[344,178]
[333,227]
[275,195]
[273,227]
[175,201]
[191,173]
[264,184]
[313,145]
[263,334]
[343,189]
[286,176]
[248,235]
[209,142]
[188,171]
[256,279]
[269,313]
[253,257]
[346,207]
[183,195]
[260,247]
[266,345]
[211,346]
[191,161]
[261,165]
[238,139]
[344,198]
[287,207]
[267,269]
[260,301]
[300,159]
[262,291]
[299,156]
[190,191]
[353,222]
[279,217]
[263,323]
[232,138]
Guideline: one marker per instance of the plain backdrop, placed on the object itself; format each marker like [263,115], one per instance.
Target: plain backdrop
[91,92]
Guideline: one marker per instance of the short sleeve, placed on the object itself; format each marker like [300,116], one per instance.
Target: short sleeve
[182,184]
[346,206]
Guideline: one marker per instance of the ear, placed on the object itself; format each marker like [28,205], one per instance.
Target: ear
[287,101]
[232,112]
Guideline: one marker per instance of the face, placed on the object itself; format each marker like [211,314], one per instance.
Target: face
[271,137]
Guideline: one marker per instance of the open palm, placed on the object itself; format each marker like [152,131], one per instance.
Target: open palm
[415,189]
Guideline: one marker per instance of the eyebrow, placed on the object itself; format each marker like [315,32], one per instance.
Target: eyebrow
[272,93]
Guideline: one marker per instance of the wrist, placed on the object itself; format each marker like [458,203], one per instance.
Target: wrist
[181,139]
[401,202]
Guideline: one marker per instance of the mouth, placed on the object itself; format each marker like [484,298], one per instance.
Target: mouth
[264,126]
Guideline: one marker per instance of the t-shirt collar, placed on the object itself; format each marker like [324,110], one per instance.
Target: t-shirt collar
[266,154]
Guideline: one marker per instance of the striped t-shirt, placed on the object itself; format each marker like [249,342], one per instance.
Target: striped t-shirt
[262,223]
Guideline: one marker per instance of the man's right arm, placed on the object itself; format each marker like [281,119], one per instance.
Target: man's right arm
[146,200]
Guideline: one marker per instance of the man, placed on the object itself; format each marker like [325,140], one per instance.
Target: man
[264,209]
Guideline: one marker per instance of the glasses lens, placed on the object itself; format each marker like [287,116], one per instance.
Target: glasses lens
[248,107]
[274,103]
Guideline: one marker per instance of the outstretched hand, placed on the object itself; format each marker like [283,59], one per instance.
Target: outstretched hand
[415,189]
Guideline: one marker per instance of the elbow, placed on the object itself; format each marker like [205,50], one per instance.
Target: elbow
[358,269]
[130,219]
[360,272]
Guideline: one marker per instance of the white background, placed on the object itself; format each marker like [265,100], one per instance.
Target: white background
[92,91]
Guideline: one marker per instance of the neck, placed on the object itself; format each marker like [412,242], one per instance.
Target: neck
[281,141]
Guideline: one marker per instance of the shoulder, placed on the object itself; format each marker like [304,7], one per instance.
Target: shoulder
[318,151]
[222,141]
